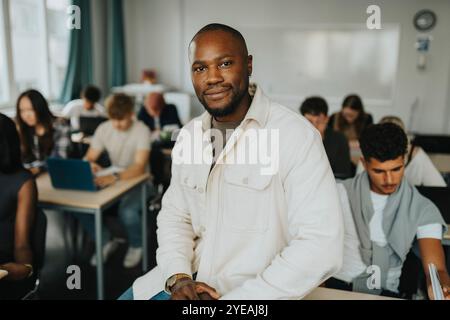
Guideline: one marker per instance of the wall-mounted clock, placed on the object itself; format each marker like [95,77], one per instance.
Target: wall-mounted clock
[425,20]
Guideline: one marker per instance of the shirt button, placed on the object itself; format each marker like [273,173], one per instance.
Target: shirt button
[200,190]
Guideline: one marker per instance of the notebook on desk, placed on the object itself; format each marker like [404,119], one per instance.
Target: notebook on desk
[435,282]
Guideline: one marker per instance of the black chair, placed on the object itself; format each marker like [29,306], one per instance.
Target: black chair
[38,237]
[433,143]
[440,196]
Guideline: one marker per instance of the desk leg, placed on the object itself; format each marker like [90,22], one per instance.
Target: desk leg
[144,228]
[99,253]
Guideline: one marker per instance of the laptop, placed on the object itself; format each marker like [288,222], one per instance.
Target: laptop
[440,196]
[71,174]
[88,125]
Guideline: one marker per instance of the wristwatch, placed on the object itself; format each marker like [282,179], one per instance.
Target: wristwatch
[173,279]
[116,176]
[29,266]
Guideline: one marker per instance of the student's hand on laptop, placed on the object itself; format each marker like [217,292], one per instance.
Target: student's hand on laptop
[95,167]
[105,181]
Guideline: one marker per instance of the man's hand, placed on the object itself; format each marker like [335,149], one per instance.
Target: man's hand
[95,167]
[187,289]
[105,181]
[36,171]
[445,289]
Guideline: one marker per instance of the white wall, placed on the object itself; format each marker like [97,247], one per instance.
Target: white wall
[158,32]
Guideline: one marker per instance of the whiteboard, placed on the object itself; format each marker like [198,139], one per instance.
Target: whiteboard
[331,61]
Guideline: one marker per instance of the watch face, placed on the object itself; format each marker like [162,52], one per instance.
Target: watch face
[425,20]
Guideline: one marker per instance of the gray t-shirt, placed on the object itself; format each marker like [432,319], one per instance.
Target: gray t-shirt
[121,145]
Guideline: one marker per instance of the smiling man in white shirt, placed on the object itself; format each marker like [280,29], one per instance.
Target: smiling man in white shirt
[233,229]
[383,215]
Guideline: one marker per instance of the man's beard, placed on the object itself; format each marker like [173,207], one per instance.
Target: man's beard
[229,108]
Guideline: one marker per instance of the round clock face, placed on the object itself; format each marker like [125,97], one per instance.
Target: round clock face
[424,20]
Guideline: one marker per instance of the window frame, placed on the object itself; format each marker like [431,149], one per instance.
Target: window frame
[12,89]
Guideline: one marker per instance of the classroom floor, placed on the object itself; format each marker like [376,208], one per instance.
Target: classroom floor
[60,254]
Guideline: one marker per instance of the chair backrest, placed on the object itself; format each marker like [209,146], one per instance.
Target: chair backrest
[433,143]
[38,238]
[440,196]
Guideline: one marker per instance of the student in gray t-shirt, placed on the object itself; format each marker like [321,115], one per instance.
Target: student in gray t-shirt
[127,142]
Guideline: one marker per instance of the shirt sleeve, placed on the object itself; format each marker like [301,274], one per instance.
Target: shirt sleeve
[62,140]
[433,231]
[67,112]
[97,142]
[144,137]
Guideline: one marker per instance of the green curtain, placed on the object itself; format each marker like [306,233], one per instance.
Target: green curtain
[116,44]
[79,69]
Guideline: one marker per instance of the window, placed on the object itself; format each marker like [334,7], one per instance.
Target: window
[29,50]
[39,45]
[4,88]
[58,43]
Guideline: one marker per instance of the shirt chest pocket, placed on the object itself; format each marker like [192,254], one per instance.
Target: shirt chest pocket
[194,195]
[246,199]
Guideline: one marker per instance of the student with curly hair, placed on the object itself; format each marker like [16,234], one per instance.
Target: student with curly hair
[383,215]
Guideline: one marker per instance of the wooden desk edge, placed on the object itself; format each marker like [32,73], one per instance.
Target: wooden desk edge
[73,203]
[333,294]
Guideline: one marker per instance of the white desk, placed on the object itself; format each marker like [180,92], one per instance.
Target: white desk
[95,203]
[333,294]
[441,161]
[446,239]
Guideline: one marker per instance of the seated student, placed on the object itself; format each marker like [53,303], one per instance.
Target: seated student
[127,142]
[420,170]
[315,109]
[42,135]
[17,210]
[383,215]
[87,106]
[156,113]
[351,121]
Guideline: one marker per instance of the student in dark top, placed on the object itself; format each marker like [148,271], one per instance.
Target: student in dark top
[156,114]
[315,109]
[18,199]
[352,119]
[42,135]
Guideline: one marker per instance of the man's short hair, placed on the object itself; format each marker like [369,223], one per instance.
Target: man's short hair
[222,27]
[119,106]
[383,142]
[91,93]
[315,106]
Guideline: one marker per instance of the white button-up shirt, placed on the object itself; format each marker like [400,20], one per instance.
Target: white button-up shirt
[250,232]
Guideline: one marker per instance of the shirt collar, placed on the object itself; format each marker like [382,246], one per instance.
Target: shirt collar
[258,111]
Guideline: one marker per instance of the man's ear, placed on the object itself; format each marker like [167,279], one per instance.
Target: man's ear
[250,65]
